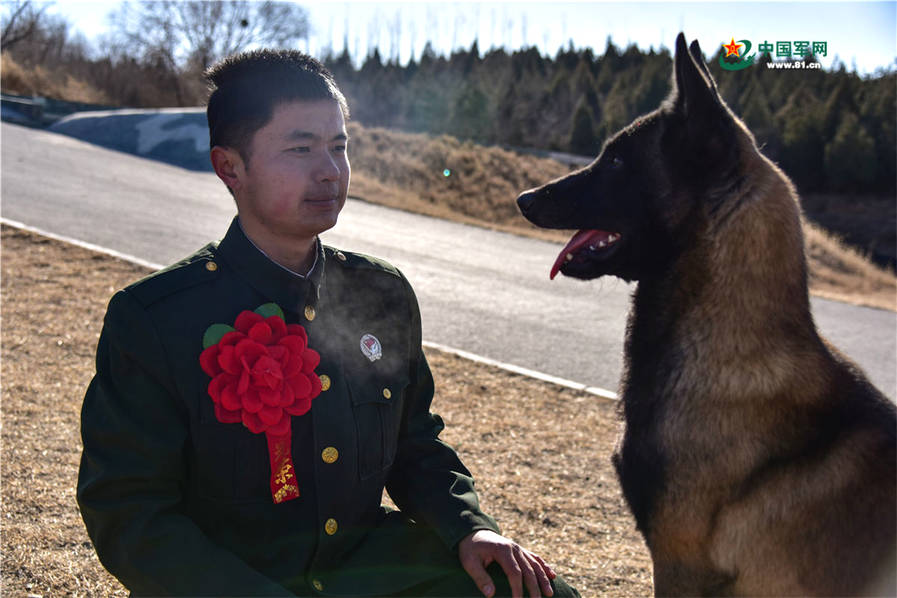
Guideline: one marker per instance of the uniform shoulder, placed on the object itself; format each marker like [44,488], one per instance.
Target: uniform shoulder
[351,259]
[198,268]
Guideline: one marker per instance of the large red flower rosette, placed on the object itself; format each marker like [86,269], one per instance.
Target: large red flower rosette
[262,373]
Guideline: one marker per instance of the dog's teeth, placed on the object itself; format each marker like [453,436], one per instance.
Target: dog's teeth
[569,256]
[592,247]
[612,238]
[602,244]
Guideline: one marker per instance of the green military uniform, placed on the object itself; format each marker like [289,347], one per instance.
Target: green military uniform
[177,502]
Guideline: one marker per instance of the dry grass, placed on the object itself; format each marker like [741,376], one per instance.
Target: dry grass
[840,272]
[39,81]
[405,171]
[52,309]
[540,453]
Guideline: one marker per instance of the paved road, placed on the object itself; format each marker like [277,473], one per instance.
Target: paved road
[480,291]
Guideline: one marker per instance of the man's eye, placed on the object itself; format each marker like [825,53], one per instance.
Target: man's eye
[302,149]
[339,148]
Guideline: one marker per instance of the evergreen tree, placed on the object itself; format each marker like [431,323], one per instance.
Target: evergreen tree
[802,142]
[879,116]
[582,134]
[471,115]
[573,101]
[850,163]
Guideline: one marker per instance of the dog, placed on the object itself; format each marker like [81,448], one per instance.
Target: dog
[756,459]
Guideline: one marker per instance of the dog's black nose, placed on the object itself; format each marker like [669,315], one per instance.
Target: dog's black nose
[525,201]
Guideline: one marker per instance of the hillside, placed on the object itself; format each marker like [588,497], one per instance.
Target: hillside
[408,171]
[463,181]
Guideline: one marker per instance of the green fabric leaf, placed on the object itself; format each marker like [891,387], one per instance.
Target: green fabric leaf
[214,333]
[270,309]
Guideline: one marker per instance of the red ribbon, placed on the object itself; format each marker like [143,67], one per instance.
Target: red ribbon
[283,474]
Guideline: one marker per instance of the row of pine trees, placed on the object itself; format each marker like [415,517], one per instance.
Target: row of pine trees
[832,131]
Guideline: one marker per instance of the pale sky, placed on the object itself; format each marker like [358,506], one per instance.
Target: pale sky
[859,33]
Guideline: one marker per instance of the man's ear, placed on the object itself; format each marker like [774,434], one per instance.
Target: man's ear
[229,166]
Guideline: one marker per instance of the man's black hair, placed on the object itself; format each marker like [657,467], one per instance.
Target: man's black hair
[247,87]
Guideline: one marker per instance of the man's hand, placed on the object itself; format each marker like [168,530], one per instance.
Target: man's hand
[481,548]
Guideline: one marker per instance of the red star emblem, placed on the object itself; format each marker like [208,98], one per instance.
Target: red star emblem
[732,48]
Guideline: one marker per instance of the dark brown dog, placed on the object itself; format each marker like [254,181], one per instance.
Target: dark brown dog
[756,459]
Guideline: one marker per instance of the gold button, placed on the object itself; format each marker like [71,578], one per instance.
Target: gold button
[330,527]
[341,256]
[317,585]
[330,455]
[387,393]
[309,313]
[211,266]
[325,381]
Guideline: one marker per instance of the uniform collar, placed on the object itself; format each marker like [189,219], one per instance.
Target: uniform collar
[262,251]
[286,288]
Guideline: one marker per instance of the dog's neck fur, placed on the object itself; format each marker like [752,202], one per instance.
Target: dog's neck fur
[744,339]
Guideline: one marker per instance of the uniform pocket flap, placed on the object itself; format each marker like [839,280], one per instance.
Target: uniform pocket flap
[381,390]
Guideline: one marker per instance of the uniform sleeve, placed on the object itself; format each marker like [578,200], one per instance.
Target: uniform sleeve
[133,470]
[428,481]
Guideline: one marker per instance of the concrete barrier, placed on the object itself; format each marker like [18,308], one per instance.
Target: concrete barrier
[178,136]
[38,111]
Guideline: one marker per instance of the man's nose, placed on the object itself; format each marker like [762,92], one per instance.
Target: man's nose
[328,168]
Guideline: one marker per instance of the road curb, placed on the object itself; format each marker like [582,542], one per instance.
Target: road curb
[516,369]
[508,367]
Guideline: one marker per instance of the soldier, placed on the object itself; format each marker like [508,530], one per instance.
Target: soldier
[252,401]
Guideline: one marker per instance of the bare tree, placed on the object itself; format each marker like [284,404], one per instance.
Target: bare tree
[207,31]
[374,27]
[37,38]
[20,21]
[394,28]
[188,36]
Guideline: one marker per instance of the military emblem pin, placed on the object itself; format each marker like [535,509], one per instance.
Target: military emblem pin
[371,348]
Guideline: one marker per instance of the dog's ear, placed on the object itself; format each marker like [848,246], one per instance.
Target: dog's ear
[703,131]
[698,57]
[695,92]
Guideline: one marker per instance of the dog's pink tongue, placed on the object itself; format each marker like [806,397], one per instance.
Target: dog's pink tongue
[579,240]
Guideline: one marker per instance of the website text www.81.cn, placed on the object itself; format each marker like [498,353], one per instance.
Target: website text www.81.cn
[797,64]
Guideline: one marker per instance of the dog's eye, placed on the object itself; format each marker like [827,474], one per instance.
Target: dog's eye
[616,163]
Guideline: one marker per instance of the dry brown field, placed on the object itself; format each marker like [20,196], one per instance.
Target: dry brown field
[540,453]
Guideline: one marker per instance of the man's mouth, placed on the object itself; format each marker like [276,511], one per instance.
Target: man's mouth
[584,246]
[321,199]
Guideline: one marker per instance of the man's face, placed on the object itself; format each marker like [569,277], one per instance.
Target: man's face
[296,178]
